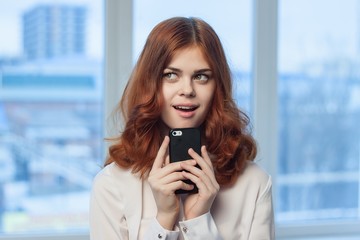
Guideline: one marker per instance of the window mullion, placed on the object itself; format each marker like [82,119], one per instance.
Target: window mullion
[265,97]
[118,54]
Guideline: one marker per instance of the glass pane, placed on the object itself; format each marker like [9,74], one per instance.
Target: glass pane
[234,31]
[319,95]
[51,87]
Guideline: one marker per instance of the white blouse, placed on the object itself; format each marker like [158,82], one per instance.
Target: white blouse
[122,207]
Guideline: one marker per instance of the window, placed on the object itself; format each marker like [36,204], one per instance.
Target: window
[319,111]
[51,114]
[318,46]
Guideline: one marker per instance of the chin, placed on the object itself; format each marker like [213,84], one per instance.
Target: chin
[181,124]
[185,125]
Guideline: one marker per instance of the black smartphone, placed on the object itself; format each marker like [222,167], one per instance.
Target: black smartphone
[181,139]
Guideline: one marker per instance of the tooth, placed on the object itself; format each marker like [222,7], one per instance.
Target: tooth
[184,107]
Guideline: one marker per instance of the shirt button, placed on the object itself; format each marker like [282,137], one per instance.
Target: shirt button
[160,236]
[185,229]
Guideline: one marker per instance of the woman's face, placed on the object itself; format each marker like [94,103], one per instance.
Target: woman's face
[188,88]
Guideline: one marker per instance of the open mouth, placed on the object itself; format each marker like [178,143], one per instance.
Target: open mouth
[185,108]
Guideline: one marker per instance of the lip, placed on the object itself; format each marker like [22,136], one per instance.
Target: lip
[185,110]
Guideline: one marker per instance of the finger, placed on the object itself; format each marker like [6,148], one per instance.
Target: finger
[200,160]
[180,185]
[174,167]
[204,183]
[172,177]
[167,160]
[170,183]
[200,184]
[206,175]
[207,159]
[199,173]
[205,155]
[160,157]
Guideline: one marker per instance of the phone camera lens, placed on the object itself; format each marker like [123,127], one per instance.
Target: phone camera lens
[176,133]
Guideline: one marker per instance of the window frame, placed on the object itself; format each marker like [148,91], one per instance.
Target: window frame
[118,66]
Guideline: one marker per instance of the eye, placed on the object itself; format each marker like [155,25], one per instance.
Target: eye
[170,76]
[201,77]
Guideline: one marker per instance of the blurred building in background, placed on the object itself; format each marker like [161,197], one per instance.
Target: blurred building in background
[51,31]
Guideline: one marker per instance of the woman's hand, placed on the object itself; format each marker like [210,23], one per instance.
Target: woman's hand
[200,203]
[164,179]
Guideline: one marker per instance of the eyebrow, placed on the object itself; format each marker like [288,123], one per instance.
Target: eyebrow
[196,71]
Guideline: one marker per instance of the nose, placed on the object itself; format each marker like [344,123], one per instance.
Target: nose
[187,88]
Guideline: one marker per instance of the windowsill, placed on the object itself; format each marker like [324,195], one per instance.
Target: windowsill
[324,238]
[319,231]
[46,237]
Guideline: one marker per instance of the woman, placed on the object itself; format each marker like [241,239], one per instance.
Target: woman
[181,80]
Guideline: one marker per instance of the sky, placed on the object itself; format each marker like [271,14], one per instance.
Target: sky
[309,30]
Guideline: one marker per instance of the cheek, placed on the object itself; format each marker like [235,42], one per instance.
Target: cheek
[167,92]
[167,96]
[210,97]
[209,105]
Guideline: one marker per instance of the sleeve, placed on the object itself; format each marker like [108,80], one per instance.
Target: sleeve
[156,231]
[106,216]
[262,227]
[202,227]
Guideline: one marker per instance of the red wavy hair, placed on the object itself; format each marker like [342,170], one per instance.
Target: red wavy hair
[226,128]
